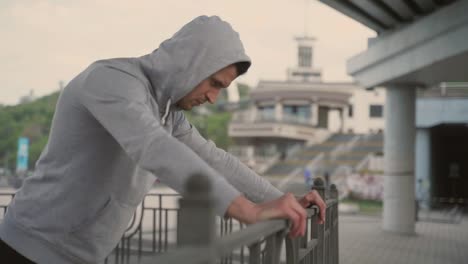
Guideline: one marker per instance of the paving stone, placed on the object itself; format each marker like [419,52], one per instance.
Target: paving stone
[363,241]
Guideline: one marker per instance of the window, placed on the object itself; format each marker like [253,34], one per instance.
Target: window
[297,113]
[305,57]
[266,113]
[350,111]
[376,111]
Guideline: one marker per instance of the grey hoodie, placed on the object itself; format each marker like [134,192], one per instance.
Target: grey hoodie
[114,131]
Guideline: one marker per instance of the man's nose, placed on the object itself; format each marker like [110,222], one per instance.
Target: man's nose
[212,95]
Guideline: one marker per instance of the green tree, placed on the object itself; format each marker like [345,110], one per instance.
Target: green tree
[213,126]
[244,90]
[31,120]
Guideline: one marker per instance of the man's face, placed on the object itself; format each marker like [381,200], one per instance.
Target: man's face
[208,89]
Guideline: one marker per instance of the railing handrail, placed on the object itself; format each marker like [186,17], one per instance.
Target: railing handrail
[249,235]
[247,117]
[203,247]
[224,245]
[321,241]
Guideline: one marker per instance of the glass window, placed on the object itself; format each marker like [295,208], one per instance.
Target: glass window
[297,113]
[305,56]
[266,112]
[376,111]
[350,111]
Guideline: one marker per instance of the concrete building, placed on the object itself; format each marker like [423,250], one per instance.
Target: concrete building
[420,44]
[284,116]
[441,169]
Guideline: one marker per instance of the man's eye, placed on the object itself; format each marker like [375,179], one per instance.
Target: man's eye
[216,84]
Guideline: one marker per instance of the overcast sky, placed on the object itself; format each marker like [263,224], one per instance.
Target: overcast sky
[45,41]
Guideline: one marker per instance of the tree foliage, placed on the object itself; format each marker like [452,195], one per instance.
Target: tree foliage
[31,120]
[244,90]
[213,126]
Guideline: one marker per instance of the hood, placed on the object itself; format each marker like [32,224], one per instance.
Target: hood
[199,49]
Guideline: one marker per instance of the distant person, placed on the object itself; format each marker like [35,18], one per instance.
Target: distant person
[327,179]
[308,178]
[123,115]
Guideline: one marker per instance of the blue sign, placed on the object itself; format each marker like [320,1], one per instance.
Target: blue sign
[22,156]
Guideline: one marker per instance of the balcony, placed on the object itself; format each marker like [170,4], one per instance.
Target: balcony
[249,124]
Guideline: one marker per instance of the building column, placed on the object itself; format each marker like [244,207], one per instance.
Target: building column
[254,114]
[278,110]
[399,198]
[423,166]
[341,112]
[250,154]
[322,117]
[314,115]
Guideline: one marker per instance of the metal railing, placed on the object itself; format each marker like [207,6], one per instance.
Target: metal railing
[445,89]
[161,232]
[197,241]
[151,230]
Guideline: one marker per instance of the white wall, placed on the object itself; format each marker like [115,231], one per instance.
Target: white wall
[334,121]
[361,100]
[434,111]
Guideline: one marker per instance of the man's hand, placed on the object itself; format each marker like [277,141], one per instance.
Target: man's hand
[285,207]
[313,197]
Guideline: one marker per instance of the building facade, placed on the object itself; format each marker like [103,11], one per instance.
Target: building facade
[302,110]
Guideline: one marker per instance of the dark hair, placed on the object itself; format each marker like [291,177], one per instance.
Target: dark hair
[242,67]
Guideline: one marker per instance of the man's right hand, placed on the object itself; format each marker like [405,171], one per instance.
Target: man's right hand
[285,207]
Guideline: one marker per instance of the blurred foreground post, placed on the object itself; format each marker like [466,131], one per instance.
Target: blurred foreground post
[196,221]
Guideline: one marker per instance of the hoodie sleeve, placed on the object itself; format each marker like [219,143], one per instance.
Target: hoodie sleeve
[119,102]
[256,188]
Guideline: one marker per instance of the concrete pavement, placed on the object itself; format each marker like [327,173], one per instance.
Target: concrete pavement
[362,241]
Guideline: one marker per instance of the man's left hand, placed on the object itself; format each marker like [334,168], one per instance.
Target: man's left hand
[313,197]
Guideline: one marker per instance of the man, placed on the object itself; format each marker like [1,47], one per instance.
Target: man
[123,115]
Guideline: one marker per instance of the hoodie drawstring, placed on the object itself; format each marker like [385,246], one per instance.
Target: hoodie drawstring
[166,113]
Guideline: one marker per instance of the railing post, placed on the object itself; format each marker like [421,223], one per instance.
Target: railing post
[255,253]
[336,251]
[314,228]
[273,247]
[292,250]
[319,187]
[196,219]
